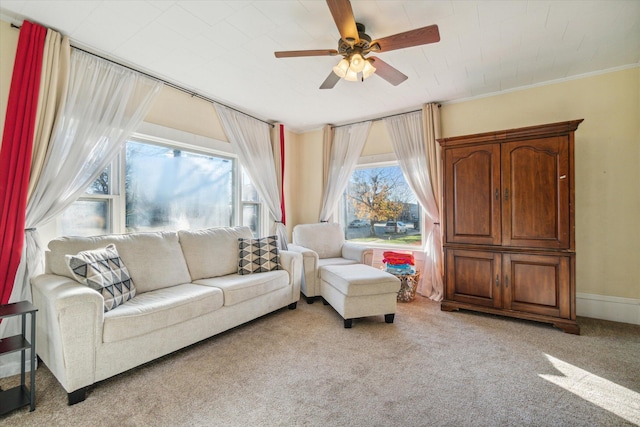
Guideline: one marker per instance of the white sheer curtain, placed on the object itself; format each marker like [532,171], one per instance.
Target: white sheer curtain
[407,137]
[252,142]
[104,104]
[346,147]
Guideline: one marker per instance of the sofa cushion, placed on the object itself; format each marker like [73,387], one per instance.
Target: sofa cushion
[326,239]
[160,309]
[154,260]
[104,271]
[212,252]
[258,255]
[238,288]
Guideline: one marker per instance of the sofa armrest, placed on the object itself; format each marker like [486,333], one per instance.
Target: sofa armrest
[358,253]
[310,284]
[68,328]
[292,263]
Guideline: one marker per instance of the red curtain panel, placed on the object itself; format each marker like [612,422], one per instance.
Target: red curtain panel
[17,145]
[284,218]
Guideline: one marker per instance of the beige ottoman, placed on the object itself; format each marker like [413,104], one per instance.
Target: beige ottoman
[359,290]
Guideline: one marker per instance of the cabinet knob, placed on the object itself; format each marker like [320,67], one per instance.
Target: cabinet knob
[497,281]
[497,195]
[506,282]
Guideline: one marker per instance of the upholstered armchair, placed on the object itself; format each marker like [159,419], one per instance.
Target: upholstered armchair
[323,244]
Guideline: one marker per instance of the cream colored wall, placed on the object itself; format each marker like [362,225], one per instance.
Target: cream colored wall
[8,45]
[292,154]
[304,158]
[178,110]
[607,166]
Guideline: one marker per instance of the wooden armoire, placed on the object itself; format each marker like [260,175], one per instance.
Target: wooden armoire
[509,223]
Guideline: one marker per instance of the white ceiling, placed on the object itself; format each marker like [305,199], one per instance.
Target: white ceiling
[223,50]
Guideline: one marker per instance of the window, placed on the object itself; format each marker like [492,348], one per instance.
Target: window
[169,188]
[92,214]
[379,207]
[165,187]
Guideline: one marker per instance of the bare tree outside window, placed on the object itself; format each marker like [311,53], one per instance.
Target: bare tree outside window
[102,184]
[380,206]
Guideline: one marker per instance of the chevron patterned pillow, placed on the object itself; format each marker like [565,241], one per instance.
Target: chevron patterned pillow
[258,255]
[103,271]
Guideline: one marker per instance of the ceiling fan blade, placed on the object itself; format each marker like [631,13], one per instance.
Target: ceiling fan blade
[343,16]
[330,82]
[417,37]
[297,53]
[387,72]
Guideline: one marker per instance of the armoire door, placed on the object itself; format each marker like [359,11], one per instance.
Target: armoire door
[472,194]
[473,277]
[535,193]
[538,284]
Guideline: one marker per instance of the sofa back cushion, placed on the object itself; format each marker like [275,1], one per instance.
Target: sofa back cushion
[212,252]
[326,239]
[154,260]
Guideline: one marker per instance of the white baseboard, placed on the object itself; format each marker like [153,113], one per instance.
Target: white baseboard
[617,309]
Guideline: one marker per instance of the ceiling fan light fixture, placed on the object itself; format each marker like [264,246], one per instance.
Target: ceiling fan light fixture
[341,68]
[368,69]
[351,76]
[357,62]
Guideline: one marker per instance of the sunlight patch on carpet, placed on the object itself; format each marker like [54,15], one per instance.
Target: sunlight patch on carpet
[608,395]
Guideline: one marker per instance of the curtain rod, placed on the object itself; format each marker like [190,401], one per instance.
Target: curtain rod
[167,83]
[379,118]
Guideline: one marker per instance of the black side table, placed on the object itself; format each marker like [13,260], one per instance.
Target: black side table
[20,396]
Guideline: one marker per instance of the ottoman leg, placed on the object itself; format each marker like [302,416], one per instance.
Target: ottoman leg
[348,323]
[325,302]
[389,317]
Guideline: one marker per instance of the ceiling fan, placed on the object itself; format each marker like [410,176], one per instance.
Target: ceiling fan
[355,44]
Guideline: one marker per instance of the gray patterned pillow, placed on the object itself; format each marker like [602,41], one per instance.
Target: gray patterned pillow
[104,271]
[258,255]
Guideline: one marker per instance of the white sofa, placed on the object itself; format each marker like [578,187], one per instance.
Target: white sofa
[323,244]
[187,289]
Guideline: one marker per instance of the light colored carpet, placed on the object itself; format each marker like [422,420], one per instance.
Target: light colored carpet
[302,368]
